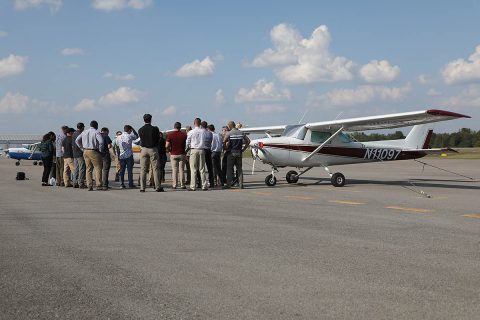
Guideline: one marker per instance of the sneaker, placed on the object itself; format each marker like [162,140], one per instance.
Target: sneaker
[204,189]
[90,188]
[76,186]
[160,190]
[142,190]
[123,186]
[190,189]
[183,187]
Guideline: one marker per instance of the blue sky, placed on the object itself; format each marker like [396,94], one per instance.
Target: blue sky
[256,62]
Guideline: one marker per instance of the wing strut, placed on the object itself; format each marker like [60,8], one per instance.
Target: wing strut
[324,143]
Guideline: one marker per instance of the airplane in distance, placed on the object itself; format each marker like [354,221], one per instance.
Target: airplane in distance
[327,143]
[26,152]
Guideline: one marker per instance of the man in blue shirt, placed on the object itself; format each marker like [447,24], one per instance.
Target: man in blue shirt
[236,142]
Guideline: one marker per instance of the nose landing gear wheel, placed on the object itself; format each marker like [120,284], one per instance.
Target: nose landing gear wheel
[292,176]
[338,179]
[17,163]
[270,180]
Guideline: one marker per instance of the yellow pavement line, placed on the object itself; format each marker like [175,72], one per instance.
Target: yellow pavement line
[410,209]
[346,202]
[264,193]
[299,197]
[473,215]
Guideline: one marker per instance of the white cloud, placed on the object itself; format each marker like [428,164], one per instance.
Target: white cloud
[197,68]
[124,77]
[12,65]
[110,5]
[220,98]
[303,60]
[13,103]
[359,95]
[54,5]
[379,71]
[3,34]
[85,105]
[72,51]
[169,111]
[262,91]
[460,70]
[72,66]
[425,79]
[469,97]
[121,96]
[266,109]
[433,93]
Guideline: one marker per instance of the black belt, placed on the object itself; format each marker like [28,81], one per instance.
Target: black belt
[90,149]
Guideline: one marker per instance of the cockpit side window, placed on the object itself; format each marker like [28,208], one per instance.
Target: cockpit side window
[319,137]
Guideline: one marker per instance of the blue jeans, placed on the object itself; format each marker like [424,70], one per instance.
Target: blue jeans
[128,163]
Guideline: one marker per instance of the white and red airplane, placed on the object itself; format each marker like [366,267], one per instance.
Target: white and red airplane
[323,144]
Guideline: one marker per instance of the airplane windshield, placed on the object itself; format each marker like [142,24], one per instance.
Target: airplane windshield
[295,131]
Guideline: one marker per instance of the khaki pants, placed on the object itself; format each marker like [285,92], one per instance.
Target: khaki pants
[148,155]
[197,163]
[68,169]
[59,170]
[177,162]
[93,160]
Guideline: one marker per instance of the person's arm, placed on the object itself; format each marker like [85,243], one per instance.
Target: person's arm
[189,140]
[99,138]
[168,146]
[78,141]
[226,144]
[246,140]
[135,134]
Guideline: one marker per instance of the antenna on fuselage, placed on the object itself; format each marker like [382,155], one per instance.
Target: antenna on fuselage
[304,114]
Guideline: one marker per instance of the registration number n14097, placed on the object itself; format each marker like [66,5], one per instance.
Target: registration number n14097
[381,154]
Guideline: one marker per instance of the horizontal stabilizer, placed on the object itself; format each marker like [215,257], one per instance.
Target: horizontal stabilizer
[435,151]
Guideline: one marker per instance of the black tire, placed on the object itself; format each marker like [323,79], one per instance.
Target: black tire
[292,176]
[40,163]
[17,163]
[270,180]
[338,179]
[35,163]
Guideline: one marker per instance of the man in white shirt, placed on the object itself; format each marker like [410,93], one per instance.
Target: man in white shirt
[196,143]
[125,154]
[91,142]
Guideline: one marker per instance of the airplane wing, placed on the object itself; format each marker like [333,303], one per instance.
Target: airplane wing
[395,120]
[274,130]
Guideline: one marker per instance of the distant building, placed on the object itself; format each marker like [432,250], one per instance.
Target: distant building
[16,140]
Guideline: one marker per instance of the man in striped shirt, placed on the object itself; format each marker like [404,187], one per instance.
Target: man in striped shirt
[236,142]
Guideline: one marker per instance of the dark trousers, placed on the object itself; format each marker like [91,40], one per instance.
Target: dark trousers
[234,159]
[107,162]
[47,167]
[217,168]
[208,163]
[161,166]
[128,164]
[224,166]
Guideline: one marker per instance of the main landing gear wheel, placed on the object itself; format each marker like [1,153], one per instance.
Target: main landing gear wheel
[35,163]
[270,180]
[17,163]
[40,163]
[338,179]
[292,176]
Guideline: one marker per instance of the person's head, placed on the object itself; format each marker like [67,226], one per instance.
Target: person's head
[53,136]
[80,126]
[105,130]
[211,128]
[64,129]
[239,125]
[231,125]
[177,126]
[204,124]
[70,132]
[225,129]
[94,124]
[197,122]
[46,136]
[160,134]
[147,118]
[119,133]
[127,128]
[188,128]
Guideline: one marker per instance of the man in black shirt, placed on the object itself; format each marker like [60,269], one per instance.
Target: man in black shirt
[106,158]
[68,165]
[149,136]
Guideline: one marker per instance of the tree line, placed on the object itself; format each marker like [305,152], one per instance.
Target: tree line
[463,138]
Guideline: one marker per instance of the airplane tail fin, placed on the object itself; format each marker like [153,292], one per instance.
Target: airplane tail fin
[419,137]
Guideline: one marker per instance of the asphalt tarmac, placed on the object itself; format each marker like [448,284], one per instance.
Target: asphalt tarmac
[399,241]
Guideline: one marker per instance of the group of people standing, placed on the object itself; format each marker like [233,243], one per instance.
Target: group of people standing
[199,156]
